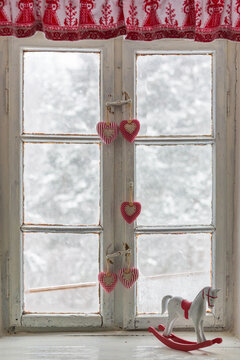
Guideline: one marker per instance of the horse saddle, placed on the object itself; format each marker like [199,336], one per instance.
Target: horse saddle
[186,306]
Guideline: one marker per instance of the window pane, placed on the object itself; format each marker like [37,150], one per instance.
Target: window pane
[61,259]
[174,184]
[171,264]
[61,92]
[174,94]
[61,184]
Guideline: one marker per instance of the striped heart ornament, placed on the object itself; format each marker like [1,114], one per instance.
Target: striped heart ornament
[107,280]
[128,276]
[107,131]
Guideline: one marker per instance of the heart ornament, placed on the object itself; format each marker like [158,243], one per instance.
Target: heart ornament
[128,276]
[107,280]
[130,211]
[107,131]
[129,129]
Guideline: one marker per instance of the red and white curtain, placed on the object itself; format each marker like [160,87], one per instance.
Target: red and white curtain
[202,20]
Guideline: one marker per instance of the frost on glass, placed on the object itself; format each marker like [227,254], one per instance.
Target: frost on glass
[171,264]
[174,94]
[61,92]
[61,259]
[61,184]
[174,184]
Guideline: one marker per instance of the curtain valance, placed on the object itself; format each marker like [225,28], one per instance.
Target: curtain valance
[201,20]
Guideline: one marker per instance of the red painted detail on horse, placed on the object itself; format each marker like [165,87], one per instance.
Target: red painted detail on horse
[174,342]
[186,306]
[208,297]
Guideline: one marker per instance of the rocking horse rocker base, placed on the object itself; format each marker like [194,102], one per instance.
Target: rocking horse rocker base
[177,343]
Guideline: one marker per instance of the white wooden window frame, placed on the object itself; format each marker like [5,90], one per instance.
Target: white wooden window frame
[222,141]
[118,309]
[17,318]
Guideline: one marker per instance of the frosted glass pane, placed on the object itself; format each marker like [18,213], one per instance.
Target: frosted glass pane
[174,184]
[61,259]
[174,94]
[61,184]
[61,92]
[171,264]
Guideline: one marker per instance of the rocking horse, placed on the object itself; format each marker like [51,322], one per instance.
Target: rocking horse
[195,310]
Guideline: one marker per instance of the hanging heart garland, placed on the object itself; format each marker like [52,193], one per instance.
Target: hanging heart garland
[128,276]
[129,129]
[107,280]
[130,210]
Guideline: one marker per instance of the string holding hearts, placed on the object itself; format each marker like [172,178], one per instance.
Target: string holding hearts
[107,131]
[130,128]
[130,209]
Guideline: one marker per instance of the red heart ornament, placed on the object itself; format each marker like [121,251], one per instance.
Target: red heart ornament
[107,280]
[130,211]
[129,129]
[107,131]
[128,276]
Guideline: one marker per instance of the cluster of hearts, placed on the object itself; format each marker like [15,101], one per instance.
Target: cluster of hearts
[108,131]
[127,275]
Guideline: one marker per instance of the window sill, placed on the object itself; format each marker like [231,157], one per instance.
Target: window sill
[105,345]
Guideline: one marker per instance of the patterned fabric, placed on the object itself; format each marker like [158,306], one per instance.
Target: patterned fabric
[202,20]
[128,277]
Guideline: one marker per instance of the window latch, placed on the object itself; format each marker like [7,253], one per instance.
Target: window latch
[125,100]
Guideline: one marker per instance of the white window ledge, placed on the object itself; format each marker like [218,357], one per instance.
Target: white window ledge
[117,345]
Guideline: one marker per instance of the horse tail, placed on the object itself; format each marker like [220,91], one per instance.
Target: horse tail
[165,301]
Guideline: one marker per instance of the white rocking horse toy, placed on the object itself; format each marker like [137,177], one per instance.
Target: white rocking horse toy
[195,310]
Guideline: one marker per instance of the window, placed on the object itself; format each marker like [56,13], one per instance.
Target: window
[65,208]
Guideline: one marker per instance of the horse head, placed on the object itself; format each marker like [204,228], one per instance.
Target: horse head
[210,295]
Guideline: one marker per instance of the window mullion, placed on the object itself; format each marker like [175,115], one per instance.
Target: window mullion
[128,157]
[107,185]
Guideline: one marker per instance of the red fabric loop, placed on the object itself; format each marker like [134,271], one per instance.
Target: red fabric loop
[185,304]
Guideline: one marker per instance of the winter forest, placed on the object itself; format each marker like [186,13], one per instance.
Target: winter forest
[61,95]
